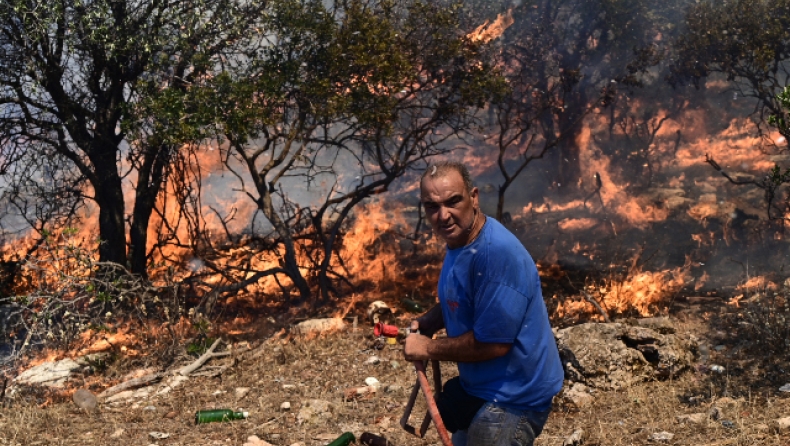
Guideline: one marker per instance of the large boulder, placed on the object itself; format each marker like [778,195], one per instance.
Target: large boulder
[616,356]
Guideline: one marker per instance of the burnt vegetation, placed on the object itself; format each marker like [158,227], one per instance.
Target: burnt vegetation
[223,150]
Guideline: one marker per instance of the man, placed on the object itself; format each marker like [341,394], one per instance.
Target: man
[498,329]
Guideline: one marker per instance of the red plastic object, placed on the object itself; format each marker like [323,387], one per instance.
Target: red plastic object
[390,331]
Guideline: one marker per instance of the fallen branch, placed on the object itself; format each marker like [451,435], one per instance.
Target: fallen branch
[212,371]
[186,370]
[132,384]
[597,306]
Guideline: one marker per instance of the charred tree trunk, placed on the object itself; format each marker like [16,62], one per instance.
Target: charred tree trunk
[149,184]
[109,197]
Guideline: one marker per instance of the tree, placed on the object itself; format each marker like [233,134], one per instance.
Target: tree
[351,96]
[72,73]
[747,42]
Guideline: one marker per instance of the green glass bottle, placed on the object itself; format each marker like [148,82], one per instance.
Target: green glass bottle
[344,440]
[411,306]
[209,416]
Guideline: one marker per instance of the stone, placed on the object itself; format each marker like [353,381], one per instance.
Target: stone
[372,382]
[615,356]
[289,387]
[785,388]
[285,406]
[50,374]
[314,412]
[392,388]
[241,392]
[661,436]
[118,433]
[323,325]
[373,360]
[577,395]
[253,440]
[781,425]
[171,383]
[693,418]
[158,435]
[85,400]
[140,393]
[574,439]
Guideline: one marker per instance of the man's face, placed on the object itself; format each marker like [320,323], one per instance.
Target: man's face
[450,208]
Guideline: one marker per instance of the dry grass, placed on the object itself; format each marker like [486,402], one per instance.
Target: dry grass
[323,367]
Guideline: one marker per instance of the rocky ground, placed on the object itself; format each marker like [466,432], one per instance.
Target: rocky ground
[702,376]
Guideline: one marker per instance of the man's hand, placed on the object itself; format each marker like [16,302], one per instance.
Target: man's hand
[416,346]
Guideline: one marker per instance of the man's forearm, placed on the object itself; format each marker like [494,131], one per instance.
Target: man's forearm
[465,348]
[432,321]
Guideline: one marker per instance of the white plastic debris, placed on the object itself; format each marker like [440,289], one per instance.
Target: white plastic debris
[372,382]
[661,436]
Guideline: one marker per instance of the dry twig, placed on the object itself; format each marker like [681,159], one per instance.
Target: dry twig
[210,353]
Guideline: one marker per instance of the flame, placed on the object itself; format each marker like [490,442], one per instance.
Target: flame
[489,31]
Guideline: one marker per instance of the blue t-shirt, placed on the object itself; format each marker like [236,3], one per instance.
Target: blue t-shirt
[492,286]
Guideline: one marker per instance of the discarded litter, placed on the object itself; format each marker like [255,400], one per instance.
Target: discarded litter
[717,368]
[208,416]
[343,440]
[411,306]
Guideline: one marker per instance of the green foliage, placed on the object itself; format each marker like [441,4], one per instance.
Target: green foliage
[781,120]
[199,346]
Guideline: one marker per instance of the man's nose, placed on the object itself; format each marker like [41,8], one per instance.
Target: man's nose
[444,213]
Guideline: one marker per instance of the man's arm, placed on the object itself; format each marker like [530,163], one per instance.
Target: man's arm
[464,348]
[430,322]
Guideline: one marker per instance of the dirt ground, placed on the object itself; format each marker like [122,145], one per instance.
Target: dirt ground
[298,369]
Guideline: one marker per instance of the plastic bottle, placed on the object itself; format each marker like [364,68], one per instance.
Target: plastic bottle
[208,416]
[344,440]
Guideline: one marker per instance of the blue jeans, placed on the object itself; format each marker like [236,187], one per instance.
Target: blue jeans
[495,425]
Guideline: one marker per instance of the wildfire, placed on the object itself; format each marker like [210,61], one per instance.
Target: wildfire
[489,31]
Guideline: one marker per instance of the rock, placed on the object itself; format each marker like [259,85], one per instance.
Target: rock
[149,409]
[171,383]
[85,400]
[575,439]
[140,393]
[372,382]
[577,395]
[662,325]
[51,374]
[118,433]
[615,356]
[158,435]
[253,440]
[289,387]
[693,418]
[314,412]
[785,388]
[241,392]
[661,436]
[319,325]
[285,406]
[170,415]
[392,388]
[373,360]
[781,425]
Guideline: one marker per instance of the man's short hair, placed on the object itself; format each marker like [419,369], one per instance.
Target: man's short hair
[441,168]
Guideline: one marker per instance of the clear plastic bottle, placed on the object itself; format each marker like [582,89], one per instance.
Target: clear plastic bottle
[209,416]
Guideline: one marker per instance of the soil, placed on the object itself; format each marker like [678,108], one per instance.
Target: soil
[283,368]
